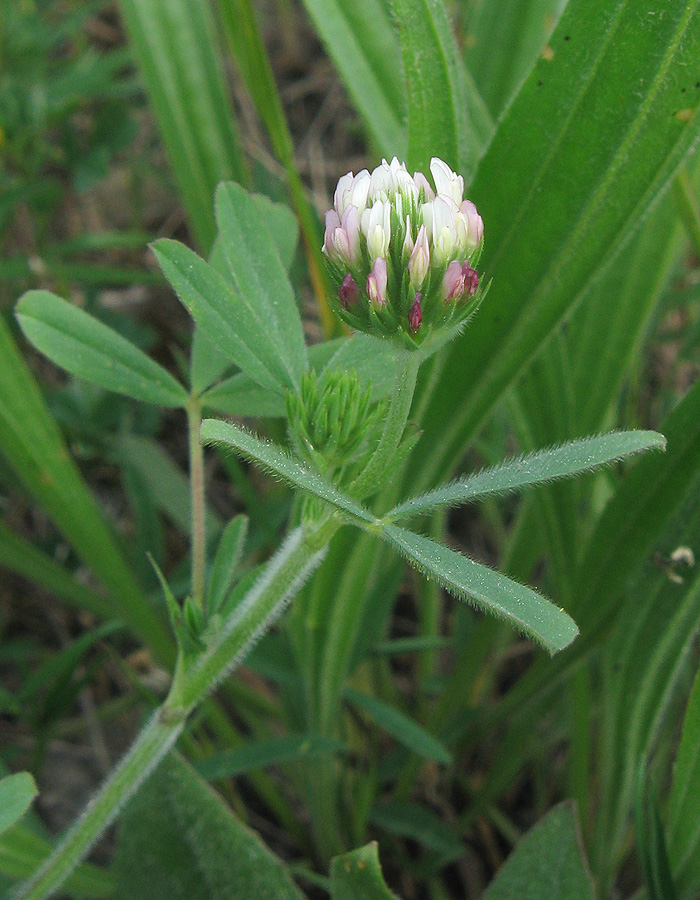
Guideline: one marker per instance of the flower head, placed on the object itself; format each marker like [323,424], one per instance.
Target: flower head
[402,252]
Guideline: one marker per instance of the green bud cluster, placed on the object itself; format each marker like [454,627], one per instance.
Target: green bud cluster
[333,422]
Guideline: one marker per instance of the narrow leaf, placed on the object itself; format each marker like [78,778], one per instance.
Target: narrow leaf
[535,468]
[419,823]
[548,237]
[364,46]
[683,820]
[492,592]
[258,275]
[23,557]
[406,731]
[228,555]
[22,852]
[16,795]
[651,841]
[276,460]
[79,343]
[175,45]
[36,452]
[259,754]
[227,321]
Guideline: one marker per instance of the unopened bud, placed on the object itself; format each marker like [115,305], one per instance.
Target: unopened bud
[453,282]
[419,263]
[348,292]
[415,315]
[471,279]
[376,283]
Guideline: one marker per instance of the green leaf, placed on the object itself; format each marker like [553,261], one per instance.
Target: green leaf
[446,116]
[548,236]
[175,45]
[358,874]
[548,863]
[372,359]
[208,363]
[16,795]
[259,754]
[651,841]
[35,450]
[228,556]
[227,321]
[75,341]
[406,731]
[535,468]
[166,481]
[419,823]
[241,395]
[503,42]
[363,44]
[642,506]
[490,591]
[259,277]
[22,852]
[179,841]
[276,460]
[683,821]
[22,557]
[281,224]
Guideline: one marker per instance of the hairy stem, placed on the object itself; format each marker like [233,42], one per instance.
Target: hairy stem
[283,576]
[194,420]
[154,742]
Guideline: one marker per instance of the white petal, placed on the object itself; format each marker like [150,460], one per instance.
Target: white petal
[360,190]
[341,191]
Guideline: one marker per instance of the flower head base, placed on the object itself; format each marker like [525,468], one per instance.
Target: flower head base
[402,254]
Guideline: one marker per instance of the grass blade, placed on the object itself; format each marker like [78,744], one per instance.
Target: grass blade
[174,42]
[363,44]
[35,450]
[406,731]
[446,116]
[260,754]
[547,238]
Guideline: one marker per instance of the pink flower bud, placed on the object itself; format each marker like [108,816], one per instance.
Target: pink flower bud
[376,283]
[350,222]
[453,282]
[419,263]
[471,279]
[332,222]
[415,315]
[475,224]
[348,292]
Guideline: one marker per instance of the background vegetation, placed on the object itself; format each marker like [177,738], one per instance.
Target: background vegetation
[379,708]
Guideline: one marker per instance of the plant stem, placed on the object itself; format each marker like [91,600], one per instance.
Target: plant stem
[156,739]
[284,575]
[194,420]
